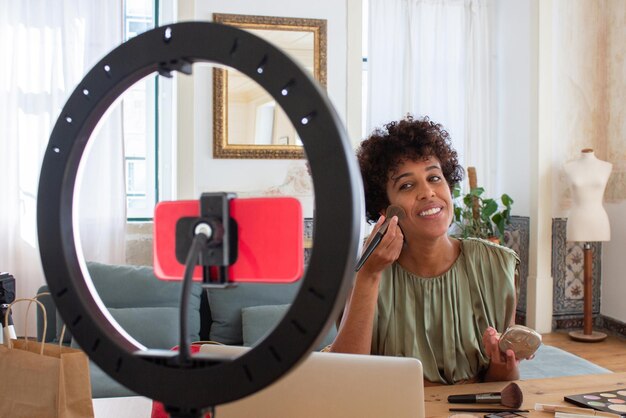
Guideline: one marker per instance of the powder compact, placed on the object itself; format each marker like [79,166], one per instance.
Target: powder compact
[522,340]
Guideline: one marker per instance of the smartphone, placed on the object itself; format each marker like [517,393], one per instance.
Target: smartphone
[269,247]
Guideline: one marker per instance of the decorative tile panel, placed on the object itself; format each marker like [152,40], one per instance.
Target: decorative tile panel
[568,272]
[613,326]
[516,237]
[308,240]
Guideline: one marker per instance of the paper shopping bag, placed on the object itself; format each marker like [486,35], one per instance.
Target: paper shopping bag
[43,380]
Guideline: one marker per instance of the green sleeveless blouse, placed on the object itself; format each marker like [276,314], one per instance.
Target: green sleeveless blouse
[441,320]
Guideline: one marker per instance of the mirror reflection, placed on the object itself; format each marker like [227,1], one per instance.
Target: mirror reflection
[248,123]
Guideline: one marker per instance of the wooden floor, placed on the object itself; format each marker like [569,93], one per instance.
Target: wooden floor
[610,353]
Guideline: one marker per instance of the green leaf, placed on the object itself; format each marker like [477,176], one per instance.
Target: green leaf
[506,200]
[490,207]
[498,219]
[477,191]
[457,214]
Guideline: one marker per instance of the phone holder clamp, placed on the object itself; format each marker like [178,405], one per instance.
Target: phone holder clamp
[221,231]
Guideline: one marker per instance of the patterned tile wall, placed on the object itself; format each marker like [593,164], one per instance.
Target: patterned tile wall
[567,272]
[516,238]
[308,240]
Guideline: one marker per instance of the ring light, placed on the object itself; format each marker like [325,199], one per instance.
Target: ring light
[338,209]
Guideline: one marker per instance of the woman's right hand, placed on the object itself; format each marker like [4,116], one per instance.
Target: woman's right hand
[389,248]
[355,331]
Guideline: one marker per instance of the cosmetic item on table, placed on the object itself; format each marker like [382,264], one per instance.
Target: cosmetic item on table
[508,414]
[463,415]
[612,401]
[389,213]
[578,415]
[511,396]
[574,410]
[490,410]
[522,340]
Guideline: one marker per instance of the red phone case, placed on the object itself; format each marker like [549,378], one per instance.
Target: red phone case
[270,239]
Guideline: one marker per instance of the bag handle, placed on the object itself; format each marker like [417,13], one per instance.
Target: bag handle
[37,296]
[9,341]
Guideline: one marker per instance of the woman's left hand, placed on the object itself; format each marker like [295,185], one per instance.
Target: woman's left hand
[503,366]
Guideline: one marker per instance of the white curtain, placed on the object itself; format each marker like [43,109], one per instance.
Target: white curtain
[432,58]
[47,47]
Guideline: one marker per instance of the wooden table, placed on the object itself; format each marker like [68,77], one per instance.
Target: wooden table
[546,391]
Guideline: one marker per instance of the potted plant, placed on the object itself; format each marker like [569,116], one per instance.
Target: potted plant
[480,217]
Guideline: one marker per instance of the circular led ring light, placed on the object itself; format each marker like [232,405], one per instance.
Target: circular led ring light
[338,209]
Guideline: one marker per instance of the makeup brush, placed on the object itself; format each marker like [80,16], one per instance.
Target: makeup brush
[389,213]
[511,396]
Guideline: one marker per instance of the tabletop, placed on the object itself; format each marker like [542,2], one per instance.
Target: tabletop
[545,391]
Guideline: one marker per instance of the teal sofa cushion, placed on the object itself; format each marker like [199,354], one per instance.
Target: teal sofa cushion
[257,321]
[104,386]
[226,305]
[146,307]
[147,325]
[136,287]
[122,286]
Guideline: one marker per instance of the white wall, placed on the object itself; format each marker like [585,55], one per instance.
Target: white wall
[613,276]
[613,267]
[515,64]
[523,163]
[207,174]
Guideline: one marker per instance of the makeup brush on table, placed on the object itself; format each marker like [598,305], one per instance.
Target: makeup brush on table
[511,396]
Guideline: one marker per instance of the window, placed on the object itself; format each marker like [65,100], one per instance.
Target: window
[146,145]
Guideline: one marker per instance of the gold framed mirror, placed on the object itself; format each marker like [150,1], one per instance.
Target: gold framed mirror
[247,122]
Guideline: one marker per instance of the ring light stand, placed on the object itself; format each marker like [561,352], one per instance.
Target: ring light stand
[203,382]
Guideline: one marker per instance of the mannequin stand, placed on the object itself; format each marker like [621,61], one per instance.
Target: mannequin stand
[587,335]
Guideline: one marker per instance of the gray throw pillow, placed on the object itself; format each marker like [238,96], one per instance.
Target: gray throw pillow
[152,327]
[146,307]
[226,305]
[257,321]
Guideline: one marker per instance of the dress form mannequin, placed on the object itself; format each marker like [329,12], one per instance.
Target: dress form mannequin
[588,222]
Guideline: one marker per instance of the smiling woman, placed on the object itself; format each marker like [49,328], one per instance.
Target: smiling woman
[422,293]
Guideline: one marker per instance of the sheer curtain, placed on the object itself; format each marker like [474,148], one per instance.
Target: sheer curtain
[432,58]
[47,48]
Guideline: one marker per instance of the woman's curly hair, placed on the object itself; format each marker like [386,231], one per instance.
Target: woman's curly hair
[407,139]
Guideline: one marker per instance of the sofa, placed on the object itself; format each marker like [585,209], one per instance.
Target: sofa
[148,309]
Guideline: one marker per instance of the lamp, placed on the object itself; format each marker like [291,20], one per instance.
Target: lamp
[588,222]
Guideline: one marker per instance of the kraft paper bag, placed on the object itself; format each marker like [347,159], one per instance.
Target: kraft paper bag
[43,380]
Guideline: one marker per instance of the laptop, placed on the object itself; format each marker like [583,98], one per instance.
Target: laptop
[332,385]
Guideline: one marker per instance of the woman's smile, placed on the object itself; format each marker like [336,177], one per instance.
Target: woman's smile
[431,212]
[419,187]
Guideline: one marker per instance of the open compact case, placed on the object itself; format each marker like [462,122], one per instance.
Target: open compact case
[522,340]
